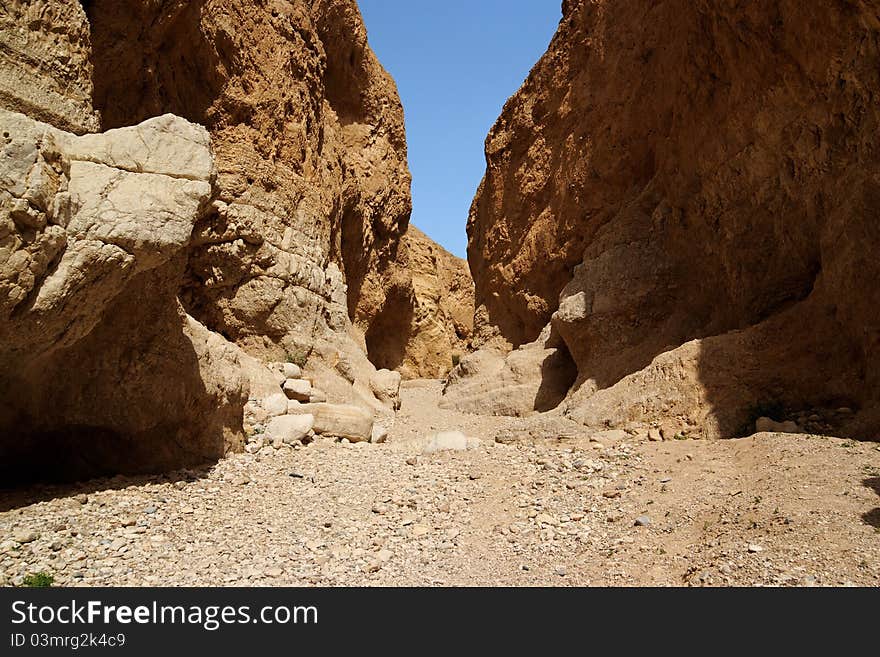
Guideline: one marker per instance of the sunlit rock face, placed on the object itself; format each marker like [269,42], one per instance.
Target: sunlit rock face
[684,191]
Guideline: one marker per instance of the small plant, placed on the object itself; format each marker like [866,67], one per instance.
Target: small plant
[39,580]
[456,359]
[298,357]
[258,430]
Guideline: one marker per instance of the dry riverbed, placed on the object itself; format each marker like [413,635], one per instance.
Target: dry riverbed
[772,509]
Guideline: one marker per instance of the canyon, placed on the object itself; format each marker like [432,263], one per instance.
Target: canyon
[219,329]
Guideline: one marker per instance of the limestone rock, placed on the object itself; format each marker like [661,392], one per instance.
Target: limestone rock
[449,441]
[276,404]
[317,396]
[385,384]
[768,424]
[532,379]
[297,389]
[291,371]
[313,191]
[341,421]
[88,295]
[379,434]
[290,428]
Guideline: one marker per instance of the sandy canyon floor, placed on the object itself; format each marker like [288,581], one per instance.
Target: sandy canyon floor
[772,509]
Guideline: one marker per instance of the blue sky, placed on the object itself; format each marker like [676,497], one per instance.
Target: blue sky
[455,62]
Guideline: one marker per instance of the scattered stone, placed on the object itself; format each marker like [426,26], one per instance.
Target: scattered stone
[449,441]
[379,434]
[611,436]
[755,548]
[385,385]
[643,521]
[82,498]
[25,536]
[291,371]
[654,435]
[297,389]
[275,405]
[317,396]
[420,530]
[288,429]
[412,460]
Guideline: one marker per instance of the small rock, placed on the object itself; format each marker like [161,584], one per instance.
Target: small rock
[769,425]
[25,536]
[379,434]
[754,548]
[317,396]
[420,530]
[642,521]
[654,435]
[449,441]
[292,371]
[82,499]
[297,389]
[610,436]
[412,460]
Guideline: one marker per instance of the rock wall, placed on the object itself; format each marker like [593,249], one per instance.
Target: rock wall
[685,191]
[441,318]
[101,370]
[45,70]
[312,190]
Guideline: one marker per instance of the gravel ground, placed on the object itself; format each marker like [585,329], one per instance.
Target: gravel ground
[535,509]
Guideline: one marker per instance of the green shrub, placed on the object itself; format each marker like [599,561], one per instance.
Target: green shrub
[38,580]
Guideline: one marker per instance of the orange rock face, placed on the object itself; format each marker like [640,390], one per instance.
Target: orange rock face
[442,317]
[307,128]
[676,171]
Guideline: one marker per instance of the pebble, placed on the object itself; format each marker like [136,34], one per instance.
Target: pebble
[25,536]
[755,548]
[643,521]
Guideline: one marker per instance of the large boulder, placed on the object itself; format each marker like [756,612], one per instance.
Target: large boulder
[93,238]
[534,378]
[338,420]
[385,385]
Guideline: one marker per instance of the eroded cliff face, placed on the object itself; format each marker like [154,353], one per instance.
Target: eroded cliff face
[135,264]
[685,192]
[45,70]
[440,324]
[312,188]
